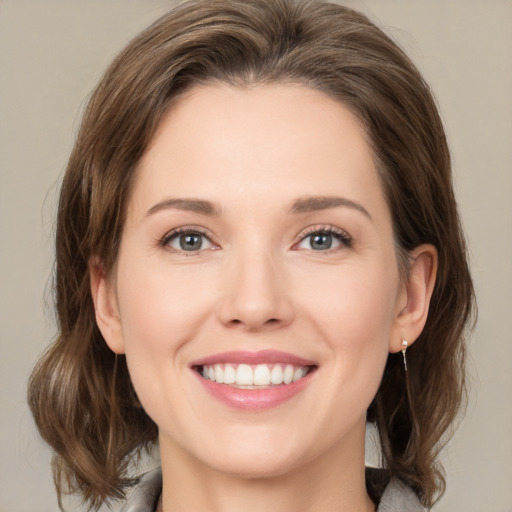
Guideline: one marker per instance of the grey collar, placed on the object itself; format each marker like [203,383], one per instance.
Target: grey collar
[396,497]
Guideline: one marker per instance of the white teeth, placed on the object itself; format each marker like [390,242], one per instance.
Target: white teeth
[229,374]
[261,375]
[276,375]
[245,375]
[219,374]
[288,374]
[298,374]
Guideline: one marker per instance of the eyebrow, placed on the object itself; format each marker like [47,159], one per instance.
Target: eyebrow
[316,203]
[301,205]
[191,205]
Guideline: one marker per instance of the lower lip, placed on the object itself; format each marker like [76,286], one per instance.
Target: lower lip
[254,399]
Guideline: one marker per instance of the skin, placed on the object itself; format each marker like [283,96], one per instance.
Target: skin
[258,283]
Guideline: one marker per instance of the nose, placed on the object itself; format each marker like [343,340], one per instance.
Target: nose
[255,295]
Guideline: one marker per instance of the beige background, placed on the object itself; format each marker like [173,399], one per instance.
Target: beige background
[52,53]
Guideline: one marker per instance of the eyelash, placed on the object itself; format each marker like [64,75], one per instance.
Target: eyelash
[184,230]
[342,236]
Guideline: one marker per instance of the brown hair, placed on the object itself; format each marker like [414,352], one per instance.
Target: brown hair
[80,392]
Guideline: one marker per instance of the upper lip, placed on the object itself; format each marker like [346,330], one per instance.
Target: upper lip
[253,358]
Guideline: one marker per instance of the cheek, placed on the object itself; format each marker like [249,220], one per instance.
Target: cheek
[355,301]
[354,311]
[160,308]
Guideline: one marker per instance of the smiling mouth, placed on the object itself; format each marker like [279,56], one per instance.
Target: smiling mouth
[258,376]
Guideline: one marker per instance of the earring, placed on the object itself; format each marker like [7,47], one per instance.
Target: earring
[404,348]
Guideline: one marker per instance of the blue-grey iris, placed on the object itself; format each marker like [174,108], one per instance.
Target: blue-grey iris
[321,241]
[191,242]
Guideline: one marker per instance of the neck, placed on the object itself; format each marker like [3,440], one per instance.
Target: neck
[333,482]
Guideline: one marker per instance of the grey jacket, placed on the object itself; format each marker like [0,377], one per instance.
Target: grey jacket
[397,497]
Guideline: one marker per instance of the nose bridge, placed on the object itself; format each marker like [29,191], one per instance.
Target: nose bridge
[255,296]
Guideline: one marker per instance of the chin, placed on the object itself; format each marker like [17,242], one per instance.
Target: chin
[248,453]
[255,467]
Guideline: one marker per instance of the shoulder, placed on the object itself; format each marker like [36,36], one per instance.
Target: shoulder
[144,496]
[399,498]
[391,495]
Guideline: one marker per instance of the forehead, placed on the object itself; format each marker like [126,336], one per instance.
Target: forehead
[263,143]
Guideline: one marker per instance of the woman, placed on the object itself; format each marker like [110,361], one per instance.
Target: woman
[258,250]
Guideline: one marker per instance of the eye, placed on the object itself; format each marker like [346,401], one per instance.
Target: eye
[324,239]
[187,240]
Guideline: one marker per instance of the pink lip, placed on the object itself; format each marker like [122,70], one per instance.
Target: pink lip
[253,399]
[246,357]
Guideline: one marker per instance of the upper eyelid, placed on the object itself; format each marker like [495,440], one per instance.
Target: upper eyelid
[164,240]
[344,237]
[319,228]
[309,230]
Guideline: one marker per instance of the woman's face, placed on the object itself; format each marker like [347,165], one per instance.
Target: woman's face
[257,250]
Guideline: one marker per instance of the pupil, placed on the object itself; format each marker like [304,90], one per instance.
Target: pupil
[191,242]
[321,241]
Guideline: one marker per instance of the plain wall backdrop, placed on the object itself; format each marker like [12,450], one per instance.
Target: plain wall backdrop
[52,53]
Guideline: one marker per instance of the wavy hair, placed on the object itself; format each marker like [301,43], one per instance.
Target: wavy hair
[80,393]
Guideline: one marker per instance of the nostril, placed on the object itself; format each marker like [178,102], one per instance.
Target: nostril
[268,323]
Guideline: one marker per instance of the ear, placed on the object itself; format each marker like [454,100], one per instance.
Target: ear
[414,299]
[105,306]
